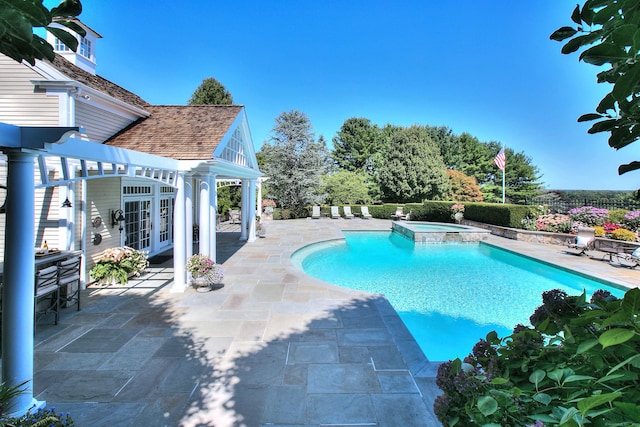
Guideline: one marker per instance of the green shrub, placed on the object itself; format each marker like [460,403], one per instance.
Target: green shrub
[117,264]
[616,216]
[578,366]
[623,234]
[503,215]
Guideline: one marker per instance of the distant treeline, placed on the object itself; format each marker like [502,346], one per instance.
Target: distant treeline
[564,200]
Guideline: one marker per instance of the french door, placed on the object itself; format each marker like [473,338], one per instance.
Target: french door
[138,223]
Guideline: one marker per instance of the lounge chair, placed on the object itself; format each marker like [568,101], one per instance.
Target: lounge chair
[584,241]
[335,213]
[631,260]
[399,214]
[365,212]
[316,212]
[347,212]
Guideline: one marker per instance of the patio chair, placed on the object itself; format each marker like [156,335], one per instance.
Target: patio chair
[315,214]
[335,213]
[631,260]
[234,216]
[47,288]
[365,212]
[69,274]
[347,212]
[584,241]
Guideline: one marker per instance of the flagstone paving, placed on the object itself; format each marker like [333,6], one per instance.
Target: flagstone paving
[272,347]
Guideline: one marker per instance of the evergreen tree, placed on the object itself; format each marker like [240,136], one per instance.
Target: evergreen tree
[413,170]
[357,146]
[211,92]
[294,162]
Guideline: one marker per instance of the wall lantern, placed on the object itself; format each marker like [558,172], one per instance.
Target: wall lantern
[117,217]
[66,203]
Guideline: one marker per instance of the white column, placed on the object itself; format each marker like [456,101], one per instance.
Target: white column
[188,209]
[213,215]
[18,290]
[66,218]
[259,207]
[245,210]
[203,219]
[252,210]
[179,239]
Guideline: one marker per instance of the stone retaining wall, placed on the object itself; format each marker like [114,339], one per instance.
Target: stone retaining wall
[545,237]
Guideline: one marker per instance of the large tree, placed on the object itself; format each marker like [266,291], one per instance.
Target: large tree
[294,162]
[358,146]
[413,170]
[211,92]
[612,30]
[522,178]
[18,18]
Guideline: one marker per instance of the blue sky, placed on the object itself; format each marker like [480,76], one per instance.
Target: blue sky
[483,67]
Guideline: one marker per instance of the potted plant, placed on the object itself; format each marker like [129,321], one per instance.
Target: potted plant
[261,231]
[457,212]
[116,265]
[205,272]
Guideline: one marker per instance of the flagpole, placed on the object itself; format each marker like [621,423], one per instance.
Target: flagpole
[505,166]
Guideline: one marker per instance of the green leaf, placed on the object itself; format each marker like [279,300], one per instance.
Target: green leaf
[631,360]
[586,345]
[630,410]
[604,53]
[576,43]
[589,117]
[607,103]
[631,302]
[67,8]
[67,38]
[556,374]
[35,12]
[563,33]
[622,169]
[623,35]
[603,126]
[636,40]
[625,86]
[487,405]
[537,376]
[615,336]
[575,16]
[543,398]
[498,380]
[567,415]
[584,405]
[573,378]
[606,14]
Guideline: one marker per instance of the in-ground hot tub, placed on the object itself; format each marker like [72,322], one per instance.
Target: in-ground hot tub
[438,232]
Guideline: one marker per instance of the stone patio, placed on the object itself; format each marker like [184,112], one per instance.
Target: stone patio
[272,347]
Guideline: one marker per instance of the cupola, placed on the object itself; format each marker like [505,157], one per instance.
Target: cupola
[85,56]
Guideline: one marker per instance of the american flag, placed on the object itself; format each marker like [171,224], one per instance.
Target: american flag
[500,159]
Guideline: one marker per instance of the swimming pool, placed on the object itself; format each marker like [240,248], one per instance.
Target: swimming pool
[448,295]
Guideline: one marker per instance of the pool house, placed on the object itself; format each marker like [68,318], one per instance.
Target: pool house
[88,165]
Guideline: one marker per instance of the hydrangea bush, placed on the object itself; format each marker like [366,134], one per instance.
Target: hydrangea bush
[578,365]
[632,220]
[117,264]
[589,215]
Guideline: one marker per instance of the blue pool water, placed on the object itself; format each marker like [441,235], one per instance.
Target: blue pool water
[448,295]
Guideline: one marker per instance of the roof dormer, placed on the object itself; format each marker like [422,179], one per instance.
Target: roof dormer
[85,57]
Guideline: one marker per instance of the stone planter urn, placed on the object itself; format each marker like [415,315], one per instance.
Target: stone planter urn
[202,284]
[458,216]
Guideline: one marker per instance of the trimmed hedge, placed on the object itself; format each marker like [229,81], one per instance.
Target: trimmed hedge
[436,211]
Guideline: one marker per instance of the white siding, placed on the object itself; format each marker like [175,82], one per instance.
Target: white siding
[99,124]
[19,104]
[103,195]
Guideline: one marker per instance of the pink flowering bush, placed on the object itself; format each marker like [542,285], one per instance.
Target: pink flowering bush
[555,223]
[589,215]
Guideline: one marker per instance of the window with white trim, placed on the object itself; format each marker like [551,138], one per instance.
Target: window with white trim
[85,48]
[59,46]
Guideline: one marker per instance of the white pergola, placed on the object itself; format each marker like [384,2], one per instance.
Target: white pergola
[28,148]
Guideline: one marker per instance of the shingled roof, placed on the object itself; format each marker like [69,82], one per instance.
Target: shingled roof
[183,132]
[98,83]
